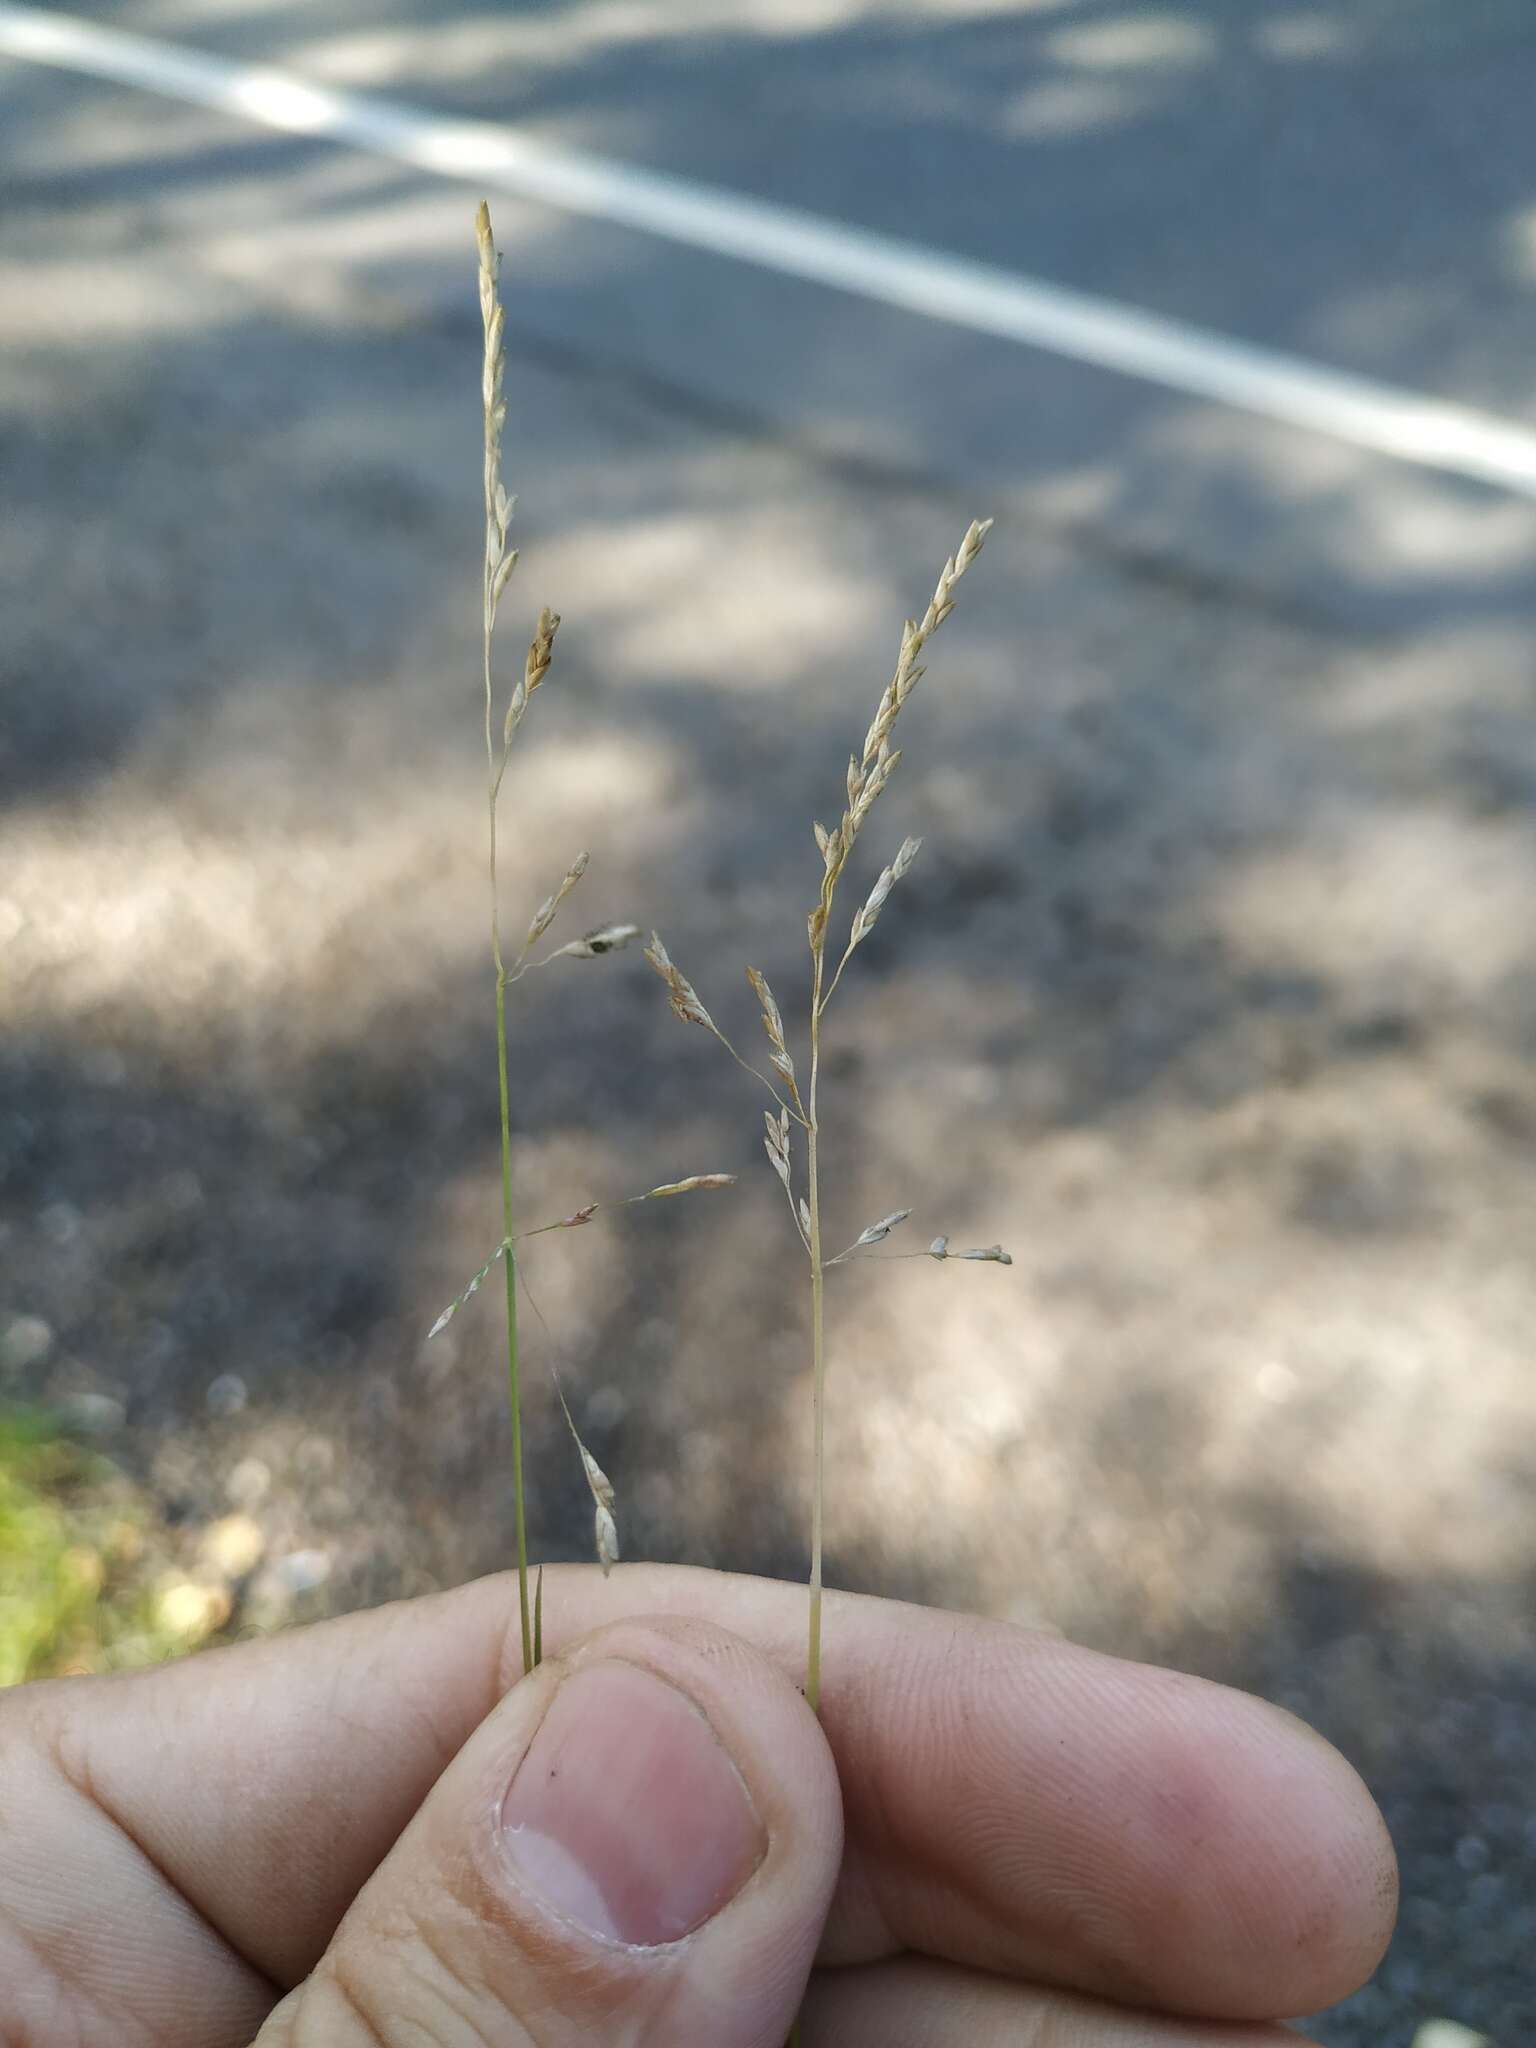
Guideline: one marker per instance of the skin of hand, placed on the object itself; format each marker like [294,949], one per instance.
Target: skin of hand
[375,1832]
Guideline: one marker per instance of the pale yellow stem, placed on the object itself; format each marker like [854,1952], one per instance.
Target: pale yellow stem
[818,1348]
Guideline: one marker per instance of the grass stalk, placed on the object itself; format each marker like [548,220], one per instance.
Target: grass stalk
[818,1346]
[514,1386]
[869,771]
[500,560]
[496,568]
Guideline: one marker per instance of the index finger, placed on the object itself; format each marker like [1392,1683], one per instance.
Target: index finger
[1013,1802]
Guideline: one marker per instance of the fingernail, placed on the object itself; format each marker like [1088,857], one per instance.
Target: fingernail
[626,1815]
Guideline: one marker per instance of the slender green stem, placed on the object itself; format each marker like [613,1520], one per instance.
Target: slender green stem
[514,1388]
[510,1261]
[818,1349]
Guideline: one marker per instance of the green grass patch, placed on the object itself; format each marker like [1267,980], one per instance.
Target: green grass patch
[80,1557]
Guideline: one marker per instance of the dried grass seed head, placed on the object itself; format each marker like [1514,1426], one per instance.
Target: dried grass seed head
[988,1254]
[865,920]
[876,1233]
[605,1529]
[773,1024]
[605,1534]
[869,774]
[541,649]
[695,1183]
[681,993]
[466,1293]
[597,1478]
[547,911]
[776,1144]
[607,938]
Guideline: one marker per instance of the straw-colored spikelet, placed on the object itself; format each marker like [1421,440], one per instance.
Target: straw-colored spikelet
[605,1526]
[773,1024]
[546,913]
[681,993]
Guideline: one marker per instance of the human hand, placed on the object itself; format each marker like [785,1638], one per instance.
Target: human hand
[357,1834]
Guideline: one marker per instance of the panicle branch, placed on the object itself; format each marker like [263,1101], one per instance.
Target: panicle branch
[683,998]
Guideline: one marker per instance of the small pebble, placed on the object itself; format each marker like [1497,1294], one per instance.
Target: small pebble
[60,1223]
[234,1546]
[95,1414]
[249,1483]
[314,1457]
[190,1610]
[26,1342]
[303,1570]
[226,1395]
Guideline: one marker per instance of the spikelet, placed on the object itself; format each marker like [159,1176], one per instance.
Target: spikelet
[776,1145]
[605,1528]
[915,635]
[466,1293]
[988,1254]
[541,652]
[549,909]
[874,903]
[871,771]
[500,559]
[608,938]
[541,649]
[694,1183]
[681,993]
[876,1233]
[773,1024]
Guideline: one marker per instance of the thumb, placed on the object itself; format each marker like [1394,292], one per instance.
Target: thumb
[637,1846]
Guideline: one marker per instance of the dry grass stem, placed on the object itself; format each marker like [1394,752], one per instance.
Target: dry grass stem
[868,775]
[500,559]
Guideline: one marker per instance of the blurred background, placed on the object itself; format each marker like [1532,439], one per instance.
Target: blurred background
[1213,993]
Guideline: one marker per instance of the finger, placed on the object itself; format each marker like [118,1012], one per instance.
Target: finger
[1013,1802]
[95,1948]
[910,2003]
[638,1846]
[1020,1805]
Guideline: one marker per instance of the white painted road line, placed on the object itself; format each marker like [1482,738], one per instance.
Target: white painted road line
[977,296]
